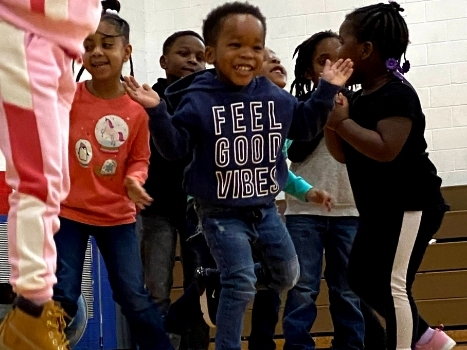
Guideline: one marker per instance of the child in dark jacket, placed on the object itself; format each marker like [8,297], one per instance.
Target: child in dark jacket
[235,124]
[164,220]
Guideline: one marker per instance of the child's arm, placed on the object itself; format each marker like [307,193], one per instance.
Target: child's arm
[310,117]
[137,193]
[382,145]
[171,141]
[137,165]
[296,186]
[299,188]
[334,145]
[333,141]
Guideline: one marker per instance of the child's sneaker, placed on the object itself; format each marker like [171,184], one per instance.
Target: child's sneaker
[208,281]
[439,341]
[37,328]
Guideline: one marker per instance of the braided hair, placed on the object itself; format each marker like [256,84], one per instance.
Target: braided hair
[305,52]
[110,10]
[382,25]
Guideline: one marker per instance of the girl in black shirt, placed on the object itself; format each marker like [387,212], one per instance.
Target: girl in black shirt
[379,134]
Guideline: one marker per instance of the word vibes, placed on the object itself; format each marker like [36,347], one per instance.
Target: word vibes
[248,141]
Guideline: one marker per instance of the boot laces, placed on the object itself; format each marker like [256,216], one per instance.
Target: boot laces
[56,324]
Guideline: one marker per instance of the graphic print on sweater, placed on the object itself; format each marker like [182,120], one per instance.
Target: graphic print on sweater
[256,139]
[111,132]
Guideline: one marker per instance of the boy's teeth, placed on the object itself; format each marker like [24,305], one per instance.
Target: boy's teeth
[243,68]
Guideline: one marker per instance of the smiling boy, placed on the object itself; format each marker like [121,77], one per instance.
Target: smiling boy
[235,124]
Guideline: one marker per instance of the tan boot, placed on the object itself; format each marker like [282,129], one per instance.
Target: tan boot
[21,331]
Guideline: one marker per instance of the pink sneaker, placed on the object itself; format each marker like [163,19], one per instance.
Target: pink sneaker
[439,341]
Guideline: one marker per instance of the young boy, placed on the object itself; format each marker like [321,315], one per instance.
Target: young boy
[182,54]
[235,125]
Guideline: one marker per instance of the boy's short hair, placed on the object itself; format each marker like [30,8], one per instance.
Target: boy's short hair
[171,39]
[213,23]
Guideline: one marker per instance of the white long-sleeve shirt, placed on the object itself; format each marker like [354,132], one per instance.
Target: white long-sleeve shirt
[322,171]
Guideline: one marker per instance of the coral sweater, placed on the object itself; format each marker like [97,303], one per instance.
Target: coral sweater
[109,140]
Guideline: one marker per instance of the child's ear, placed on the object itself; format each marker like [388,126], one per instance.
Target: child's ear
[367,49]
[128,51]
[210,55]
[163,62]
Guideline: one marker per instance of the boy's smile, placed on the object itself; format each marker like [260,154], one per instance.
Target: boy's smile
[238,53]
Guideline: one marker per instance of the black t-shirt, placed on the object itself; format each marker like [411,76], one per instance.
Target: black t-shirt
[409,182]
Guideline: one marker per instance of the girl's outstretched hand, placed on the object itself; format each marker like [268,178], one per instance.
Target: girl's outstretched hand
[137,193]
[337,73]
[320,197]
[143,94]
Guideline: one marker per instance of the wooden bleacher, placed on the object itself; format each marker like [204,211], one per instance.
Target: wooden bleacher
[440,288]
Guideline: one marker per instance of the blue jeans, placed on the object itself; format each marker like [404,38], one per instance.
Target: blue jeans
[121,253]
[311,235]
[231,233]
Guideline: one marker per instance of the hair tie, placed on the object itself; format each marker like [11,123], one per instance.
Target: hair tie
[396,6]
[393,66]
[112,12]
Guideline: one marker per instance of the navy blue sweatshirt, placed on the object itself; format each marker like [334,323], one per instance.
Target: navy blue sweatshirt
[164,182]
[235,135]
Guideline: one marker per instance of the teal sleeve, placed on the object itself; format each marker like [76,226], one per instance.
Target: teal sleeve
[296,186]
[286,146]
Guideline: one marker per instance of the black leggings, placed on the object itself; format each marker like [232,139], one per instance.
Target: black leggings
[387,252]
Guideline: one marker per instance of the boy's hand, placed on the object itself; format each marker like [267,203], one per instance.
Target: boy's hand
[340,112]
[137,193]
[338,73]
[319,197]
[144,95]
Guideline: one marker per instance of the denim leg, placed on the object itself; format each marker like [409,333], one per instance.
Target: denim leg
[71,242]
[349,326]
[264,318]
[229,241]
[300,308]
[277,251]
[120,250]
[158,253]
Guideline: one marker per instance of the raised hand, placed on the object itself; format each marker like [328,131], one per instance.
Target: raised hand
[337,73]
[143,94]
